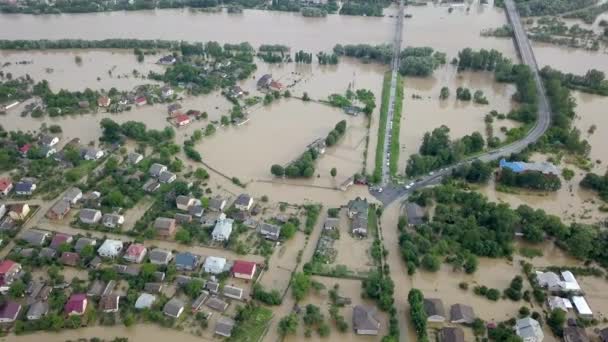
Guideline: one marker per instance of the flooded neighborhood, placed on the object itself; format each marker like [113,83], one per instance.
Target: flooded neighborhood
[304,170]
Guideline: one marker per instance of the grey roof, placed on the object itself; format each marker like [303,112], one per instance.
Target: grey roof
[233,292]
[217,304]
[160,256]
[35,237]
[165,176]
[83,242]
[72,194]
[358,205]
[183,218]
[604,335]
[212,286]
[527,327]
[47,252]
[92,152]
[461,312]
[38,310]
[215,203]
[163,223]
[575,334]
[133,157]
[60,207]
[110,219]
[153,287]
[434,307]
[360,222]
[88,214]
[183,200]
[173,307]
[156,169]
[224,326]
[364,319]
[182,280]
[242,199]
[196,210]
[145,300]
[96,289]
[415,213]
[332,222]
[271,231]
[198,302]
[450,334]
[46,139]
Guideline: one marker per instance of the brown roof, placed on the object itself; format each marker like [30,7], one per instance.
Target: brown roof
[109,302]
[434,307]
[575,334]
[364,319]
[450,334]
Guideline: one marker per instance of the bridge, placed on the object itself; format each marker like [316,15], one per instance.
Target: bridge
[392,192]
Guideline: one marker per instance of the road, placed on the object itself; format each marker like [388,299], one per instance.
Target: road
[393,89]
[392,192]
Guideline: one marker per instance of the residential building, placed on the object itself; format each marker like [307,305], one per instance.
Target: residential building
[48,253]
[9,311]
[451,334]
[112,220]
[19,212]
[275,86]
[6,185]
[110,248]
[186,261]
[23,150]
[69,259]
[555,302]
[173,109]
[223,229]
[104,101]
[109,303]
[232,292]
[575,334]
[151,185]
[156,169]
[47,151]
[461,313]
[145,301]
[212,286]
[331,223]
[529,330]
[604,335]
[214,265]
[2,210]
[167,177]
[224,326]
[264,81]
[182,218]
[243,269]
[434,310]
[76,305]
[182,120]
[415,214]
[48,140]
[136,253]
[93,153]
[357,206]
[196,210]
[37,310]
[82,242]
[35,237]
[25,188]
[522,167]
[96,289]
[269,231]
[160,256]
[198,302]
[166,91]
[365,321]
[8,271]
[60,239]
[72,196]
[359,225]
[90,216]
[581,306]
[217,304]
[140,101]
[173,308]
[134,158]
[243,202]
[216,204]
[165,227]
[59,210]
[184,202]
[153,287]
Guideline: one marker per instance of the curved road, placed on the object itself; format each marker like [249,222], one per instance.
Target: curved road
[393,192]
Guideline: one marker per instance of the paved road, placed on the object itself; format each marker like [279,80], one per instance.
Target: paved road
[393,192]
[391,102]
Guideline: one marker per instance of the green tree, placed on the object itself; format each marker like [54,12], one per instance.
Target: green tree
[445,93]
[288,230]
[300,285]
[288,325]
[333,172]
[17,289]
[277,170]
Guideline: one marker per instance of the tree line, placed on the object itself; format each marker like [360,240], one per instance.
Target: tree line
[594,81]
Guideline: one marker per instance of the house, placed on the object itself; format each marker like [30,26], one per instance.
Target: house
[167,60]
[95,263]
[182,218]
[160,256]
[153,287]
[69,259]
[84,104]
[223,229]
[212,286]
[224,326]
[233,292]
[104,101]
[110,248]
[96,289]
[545,168]
[72,196]
[151,185]
[92,153]
[145,301]
[112,220]
[244,202]
[140,101]
[135,253]
[25,188]
[604,335]
[109,303]
[581,306]
[182,120]
[59,210]
[60,239]
[198,302]
[451,334]
[217,304]
[35,237]
[415,214]
[554,283]
[82,242]
[575,334]
[8,271]
[264,81]
[461,313]
[18,212]
[23,150]
[156,169]
[90,216]
[48,140]
[331,223]
[275,86]
[196,210]
[47,151]
[243,269]
[134,158]
[165,227]
[359,225]
[237,91]
[184,202]
[569,284]
[357,206]
[529,330]
[166,91]
[214,265]
[7,224]
[6,185]
[269,231]
[365,321]
[173,109]
[434,310]
[167,177]
[37,310]
[186,261]
[76,305]
[2,210]
[216,204]
[173,308]
[9,311]
[555,302]
[47,253]
[182,280]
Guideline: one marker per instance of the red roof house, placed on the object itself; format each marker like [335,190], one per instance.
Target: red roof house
[136,253]
[59,239]
[274,85]
[140,101]
[104,101]
[6,185]
[243,269]
[182,120]
[24,149]
[9,312]
[8,270]
[76,305]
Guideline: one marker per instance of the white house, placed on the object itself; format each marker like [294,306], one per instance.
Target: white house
[214,265]
[244,202]
[93,154]
[581,306]
[223,228]
[110,248]
[90,216]
[529,330]
[112,220]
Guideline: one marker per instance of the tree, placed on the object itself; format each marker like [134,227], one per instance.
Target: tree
[300,285]
[201,174]
[277,170]
[288,325]
[17,289]
[445,93]
[430,262]
[556,321]
[333,172]
[288,230]
[183,236]
[417,313]
[193,288]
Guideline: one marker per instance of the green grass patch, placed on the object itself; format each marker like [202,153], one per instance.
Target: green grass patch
[394,148]
[386,88]
[530,252]
[252,322]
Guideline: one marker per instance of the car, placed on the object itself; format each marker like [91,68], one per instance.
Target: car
[411,184]
[431,173]
[407,187]
[388,163]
